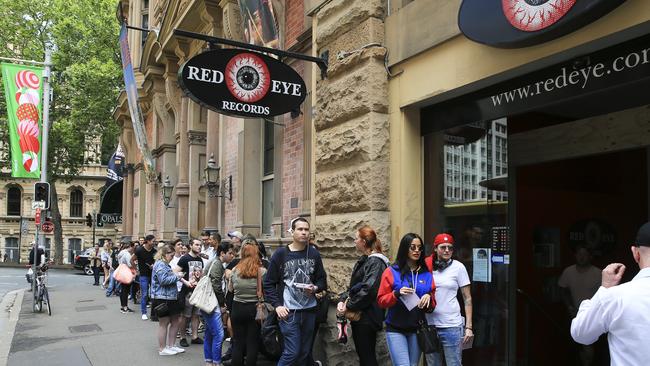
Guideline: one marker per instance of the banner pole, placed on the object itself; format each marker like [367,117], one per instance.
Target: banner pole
[40,239]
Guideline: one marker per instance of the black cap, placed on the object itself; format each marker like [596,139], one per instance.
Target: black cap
[643,236]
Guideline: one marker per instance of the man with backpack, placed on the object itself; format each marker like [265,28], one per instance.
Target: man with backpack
[294,276]
[113,286]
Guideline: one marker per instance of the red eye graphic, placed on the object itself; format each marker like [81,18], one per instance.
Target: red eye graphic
[533,15]
[247,77]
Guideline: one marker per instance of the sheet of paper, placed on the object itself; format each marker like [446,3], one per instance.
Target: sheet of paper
[410,300]
[467,345]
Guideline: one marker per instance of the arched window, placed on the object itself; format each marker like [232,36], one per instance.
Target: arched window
[13,201]
[76,203]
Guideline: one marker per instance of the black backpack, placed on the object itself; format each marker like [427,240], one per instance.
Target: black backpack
[114,262]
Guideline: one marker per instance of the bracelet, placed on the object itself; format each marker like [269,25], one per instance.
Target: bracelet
[469,328]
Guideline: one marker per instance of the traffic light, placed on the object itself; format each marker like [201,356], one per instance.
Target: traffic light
[42,193]
[89,220]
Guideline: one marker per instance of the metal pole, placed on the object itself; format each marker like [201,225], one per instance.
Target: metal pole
[94,225]
[46,130]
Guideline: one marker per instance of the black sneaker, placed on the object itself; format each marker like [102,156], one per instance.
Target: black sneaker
[184,343]
[128,310]
[197,340]
[123,310]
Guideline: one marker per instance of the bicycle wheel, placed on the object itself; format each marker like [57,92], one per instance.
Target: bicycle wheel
[46,298]
[35,307]
[39,299]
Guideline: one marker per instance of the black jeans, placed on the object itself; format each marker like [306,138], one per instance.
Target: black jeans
[124,295]
[365,342]
[246,333]
[96,274]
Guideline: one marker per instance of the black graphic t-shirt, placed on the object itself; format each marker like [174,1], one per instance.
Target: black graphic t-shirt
[191,266]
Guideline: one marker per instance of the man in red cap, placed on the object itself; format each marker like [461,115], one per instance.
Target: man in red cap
[449,276]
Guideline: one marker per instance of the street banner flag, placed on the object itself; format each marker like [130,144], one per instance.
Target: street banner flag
[134,108]
[259,23]
[114,170]
[23,88]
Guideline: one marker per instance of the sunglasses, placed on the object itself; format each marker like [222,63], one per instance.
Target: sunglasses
[416,248]
[446,247]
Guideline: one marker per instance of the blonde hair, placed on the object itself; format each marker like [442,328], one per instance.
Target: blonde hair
[164,250]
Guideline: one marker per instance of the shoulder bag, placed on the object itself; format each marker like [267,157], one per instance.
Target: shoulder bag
[203,296]
[263,308]
[123,274]
[427,337]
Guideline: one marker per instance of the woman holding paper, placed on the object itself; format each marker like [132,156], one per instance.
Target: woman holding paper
[454,332]
[407,290]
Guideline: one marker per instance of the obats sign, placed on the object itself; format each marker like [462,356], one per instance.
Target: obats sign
[522,23]
[242,83]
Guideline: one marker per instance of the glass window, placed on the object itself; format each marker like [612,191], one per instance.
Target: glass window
[74,248]
[268,147]
[13,201]
[12,250]
[267,206]
[76,203]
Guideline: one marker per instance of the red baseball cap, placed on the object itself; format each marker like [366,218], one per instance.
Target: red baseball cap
[442,239]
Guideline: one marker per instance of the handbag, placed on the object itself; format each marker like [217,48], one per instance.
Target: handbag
[263,309]
[203,296]
[427,337]
[272,337]
[123,274]
[351,315]
[162,310]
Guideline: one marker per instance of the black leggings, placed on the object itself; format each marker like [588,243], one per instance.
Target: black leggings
[246,333]
[365,341]
[124,295]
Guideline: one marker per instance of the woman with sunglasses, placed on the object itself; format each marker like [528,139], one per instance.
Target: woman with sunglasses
[407,290]
[450,275]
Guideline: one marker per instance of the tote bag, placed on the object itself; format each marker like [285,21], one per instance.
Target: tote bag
[123,274]
[203,296]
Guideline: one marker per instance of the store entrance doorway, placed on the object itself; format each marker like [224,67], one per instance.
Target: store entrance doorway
[573,217]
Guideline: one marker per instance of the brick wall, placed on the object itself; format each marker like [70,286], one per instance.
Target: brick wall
[294,21]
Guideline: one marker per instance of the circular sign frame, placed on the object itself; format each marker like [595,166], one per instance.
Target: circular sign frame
[242,83]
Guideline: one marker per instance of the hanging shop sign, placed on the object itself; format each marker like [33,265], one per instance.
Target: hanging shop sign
[242,83]
[615,73]
[523,23]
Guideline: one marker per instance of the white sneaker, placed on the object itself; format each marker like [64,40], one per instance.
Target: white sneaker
[167,352]
[145,317]
[177,349]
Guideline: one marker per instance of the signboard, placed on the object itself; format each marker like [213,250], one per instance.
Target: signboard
[258,22]
[37,217]
[38,204]
[523,23]
[106,218]
[621,69]
[47,227]
[242,83]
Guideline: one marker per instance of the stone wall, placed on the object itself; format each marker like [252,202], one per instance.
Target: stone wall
[352,147]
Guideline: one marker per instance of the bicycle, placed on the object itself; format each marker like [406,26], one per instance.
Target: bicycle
[41,295]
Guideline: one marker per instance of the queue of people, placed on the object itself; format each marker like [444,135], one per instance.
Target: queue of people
[399,297]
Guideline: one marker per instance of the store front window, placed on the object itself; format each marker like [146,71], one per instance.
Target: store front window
[466,196]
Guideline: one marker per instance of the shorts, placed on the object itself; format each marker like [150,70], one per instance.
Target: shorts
[174,306]
[189,310]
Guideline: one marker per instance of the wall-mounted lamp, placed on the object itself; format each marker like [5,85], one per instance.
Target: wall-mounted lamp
[217,187]
[167,189]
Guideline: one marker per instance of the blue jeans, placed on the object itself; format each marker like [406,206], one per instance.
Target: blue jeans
[404,349]
[144,290]
[111,284]
[213,336]
[297,330]
[450,341]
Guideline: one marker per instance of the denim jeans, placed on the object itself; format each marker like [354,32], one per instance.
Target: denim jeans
[297,330]
[144,290]
[404,349]
[213,336]
[111,284]
[450,341]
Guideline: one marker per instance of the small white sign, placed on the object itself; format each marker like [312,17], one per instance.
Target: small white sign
[38,204]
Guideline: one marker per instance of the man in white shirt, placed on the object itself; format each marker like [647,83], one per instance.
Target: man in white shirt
[623,311]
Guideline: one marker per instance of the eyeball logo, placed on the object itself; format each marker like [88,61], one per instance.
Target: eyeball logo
[534,15]
[247,77]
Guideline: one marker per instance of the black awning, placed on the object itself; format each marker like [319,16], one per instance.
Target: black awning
[111,200]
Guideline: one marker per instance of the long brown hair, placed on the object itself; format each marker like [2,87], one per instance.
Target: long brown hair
[369,237]
[250,262]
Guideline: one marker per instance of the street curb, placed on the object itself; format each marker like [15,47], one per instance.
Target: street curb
[9,313]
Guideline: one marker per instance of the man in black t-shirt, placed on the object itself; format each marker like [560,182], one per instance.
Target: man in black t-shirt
[191,265]
[144,255]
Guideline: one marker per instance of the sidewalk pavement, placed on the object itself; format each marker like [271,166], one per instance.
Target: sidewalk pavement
[87,328]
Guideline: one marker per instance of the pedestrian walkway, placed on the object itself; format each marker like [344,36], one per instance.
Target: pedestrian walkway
[87,328]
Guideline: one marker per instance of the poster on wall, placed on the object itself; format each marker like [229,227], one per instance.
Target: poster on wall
[482,271]
[546,247]
[259,23]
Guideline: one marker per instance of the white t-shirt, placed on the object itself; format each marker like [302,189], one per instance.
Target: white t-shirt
[172,263]
[582,285]
[447,311]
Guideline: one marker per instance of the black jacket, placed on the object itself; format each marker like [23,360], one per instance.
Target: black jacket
[362,293]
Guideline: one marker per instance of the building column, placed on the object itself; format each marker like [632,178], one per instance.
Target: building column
[212,148]
[183,186]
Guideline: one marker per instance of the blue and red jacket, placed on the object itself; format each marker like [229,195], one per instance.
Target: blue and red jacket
[398,318]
